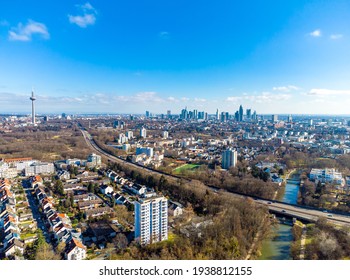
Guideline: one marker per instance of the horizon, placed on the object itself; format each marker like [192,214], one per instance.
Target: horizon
[93,57]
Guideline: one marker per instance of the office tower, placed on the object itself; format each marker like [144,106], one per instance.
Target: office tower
[143,132]
[168,113]
[237,116]
[249,113]
[227,116]
[229,158]
[184,114]
[290,119]
[217,114]
[255,117]
[223,117]
[147,114]
[32,98]
[119,124]
[274,118]
[240,113]
[151,220]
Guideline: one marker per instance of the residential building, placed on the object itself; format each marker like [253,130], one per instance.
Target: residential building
[75,250]
[327,175]
[143,132]
[144,150]
[165,134]
[151,220]
[229,159]
[93,160]
[129,134]
[37,168]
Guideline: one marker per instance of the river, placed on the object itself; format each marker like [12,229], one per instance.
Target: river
[277,247]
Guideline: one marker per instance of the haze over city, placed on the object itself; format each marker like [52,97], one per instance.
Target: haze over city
[127,57]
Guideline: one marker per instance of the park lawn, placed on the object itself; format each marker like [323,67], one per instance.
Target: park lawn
[189,167]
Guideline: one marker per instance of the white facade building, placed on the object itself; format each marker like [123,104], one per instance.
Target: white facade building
[39,168]
[229,158]
[143,132]
[327,175]
[165,134]
[151,220]
[93,160]
[129,134]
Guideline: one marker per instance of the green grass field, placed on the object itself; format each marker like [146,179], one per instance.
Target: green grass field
[189,167]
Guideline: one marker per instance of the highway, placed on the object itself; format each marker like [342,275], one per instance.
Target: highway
[308,214]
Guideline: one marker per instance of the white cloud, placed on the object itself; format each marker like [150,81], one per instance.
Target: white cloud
[164,35]
[185,99]
[264,97]
[286,88]
[87,16]
[200,100]
[327,92]
[336,36]
[316,33]
[26,32]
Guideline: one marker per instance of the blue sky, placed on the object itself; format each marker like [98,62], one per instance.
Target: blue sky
[132,56]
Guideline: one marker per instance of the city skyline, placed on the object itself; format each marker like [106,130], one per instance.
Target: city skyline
[99,57]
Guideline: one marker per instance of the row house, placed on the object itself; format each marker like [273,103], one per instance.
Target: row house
[9,230]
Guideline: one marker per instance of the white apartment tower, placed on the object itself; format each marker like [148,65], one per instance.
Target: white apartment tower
[229,158]
[143,132]
[151,220]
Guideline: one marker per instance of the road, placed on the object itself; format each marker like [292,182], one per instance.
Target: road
[276,207]
[37,216]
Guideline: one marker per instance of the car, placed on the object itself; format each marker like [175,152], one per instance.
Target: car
[329,215]
[269,202]
[283,211]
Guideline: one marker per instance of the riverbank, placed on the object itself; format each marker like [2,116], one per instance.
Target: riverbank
[278,246]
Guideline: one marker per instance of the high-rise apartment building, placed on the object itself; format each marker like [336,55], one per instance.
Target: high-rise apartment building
[93,160]
[151,220]
[229,159]
[143,132]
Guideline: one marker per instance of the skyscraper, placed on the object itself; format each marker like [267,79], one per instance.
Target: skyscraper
[249,113]
[240,113]
[217,114]
[274,118]
[229,158]
[151,220]
[32,98]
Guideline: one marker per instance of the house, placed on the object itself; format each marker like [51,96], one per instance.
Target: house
[91,213]
[101,231]
[75,250]
[174,208]
[105,189]
[13,247]
[63,175]
[90,204]
[119,199]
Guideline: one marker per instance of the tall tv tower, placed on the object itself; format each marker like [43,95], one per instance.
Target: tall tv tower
[32,98]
